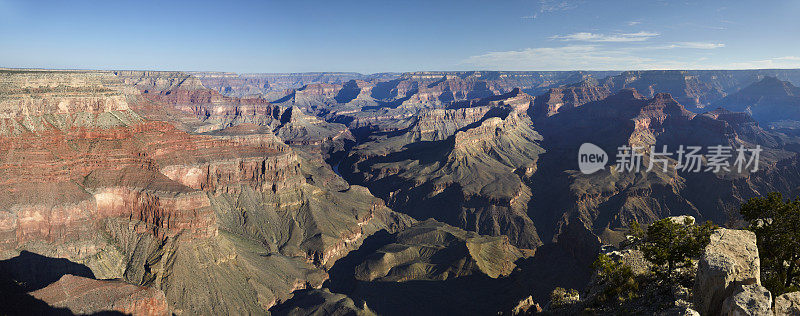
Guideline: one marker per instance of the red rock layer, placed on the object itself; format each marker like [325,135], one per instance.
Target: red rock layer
[58,182]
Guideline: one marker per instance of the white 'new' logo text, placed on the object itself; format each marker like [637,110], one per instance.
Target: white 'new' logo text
[591,158]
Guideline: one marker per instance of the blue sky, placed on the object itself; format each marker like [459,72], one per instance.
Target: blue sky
[394,36]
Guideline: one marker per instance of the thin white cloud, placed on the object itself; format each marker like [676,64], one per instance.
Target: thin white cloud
[596,57]
[786,62]
[589,57]
[689,45]
[698,45]
[547,6]
[594,37]
[634,23]
[557,5]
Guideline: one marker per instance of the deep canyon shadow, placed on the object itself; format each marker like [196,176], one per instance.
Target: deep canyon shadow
[471,295]
[29,272]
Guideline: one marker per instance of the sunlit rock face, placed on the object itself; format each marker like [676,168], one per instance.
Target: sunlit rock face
[431,250]
[564,98]
[92,174]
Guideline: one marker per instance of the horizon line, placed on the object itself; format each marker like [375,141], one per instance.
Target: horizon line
[373,73]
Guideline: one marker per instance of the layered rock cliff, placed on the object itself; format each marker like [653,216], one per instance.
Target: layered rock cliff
[220,223]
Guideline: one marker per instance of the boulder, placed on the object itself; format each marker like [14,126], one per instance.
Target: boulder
[682,219]
[730,259]
[748,300]
[787,304]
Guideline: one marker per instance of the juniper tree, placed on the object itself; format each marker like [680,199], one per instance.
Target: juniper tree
[670,245]
[776,223]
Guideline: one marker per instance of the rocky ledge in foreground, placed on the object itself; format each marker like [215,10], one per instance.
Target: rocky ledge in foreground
[724,281]
[728,279]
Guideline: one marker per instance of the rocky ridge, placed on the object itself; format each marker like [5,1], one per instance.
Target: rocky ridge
[771,101]
[434,251]
[480,166]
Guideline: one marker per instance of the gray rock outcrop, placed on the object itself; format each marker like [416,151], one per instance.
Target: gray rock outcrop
[730,259]
[787,304]
[682,219]
[748,300]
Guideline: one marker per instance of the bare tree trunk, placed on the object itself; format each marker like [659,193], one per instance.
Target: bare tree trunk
[790,272]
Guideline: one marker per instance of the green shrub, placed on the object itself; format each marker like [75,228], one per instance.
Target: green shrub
[617,280]
[561,297]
